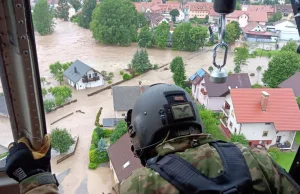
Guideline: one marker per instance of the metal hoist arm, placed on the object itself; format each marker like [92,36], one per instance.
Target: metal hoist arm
[20,73]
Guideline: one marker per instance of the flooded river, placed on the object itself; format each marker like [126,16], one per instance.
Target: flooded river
[70,42]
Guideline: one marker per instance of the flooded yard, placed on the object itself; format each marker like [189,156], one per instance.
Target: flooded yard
[70,42]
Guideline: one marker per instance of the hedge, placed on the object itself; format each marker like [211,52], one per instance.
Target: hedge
[98,117]
[93,166]
[98,157]
[107,133]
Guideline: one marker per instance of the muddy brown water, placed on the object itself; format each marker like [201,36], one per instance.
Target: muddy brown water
[70,42]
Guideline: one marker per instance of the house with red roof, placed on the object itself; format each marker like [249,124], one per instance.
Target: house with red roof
[212,95]
[199,9]
[265,116]
[242,17]
[254,32]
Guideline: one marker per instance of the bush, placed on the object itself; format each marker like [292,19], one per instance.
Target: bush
[48,105]
[155,66]
[273,155]
[104,73]
[109,82]
[230,72]
[98,117]
[119,131]
[121,72]
[98,157]
[93,166]
[126,76]
[61,140]
[111,74]
[93,146]
[95,138]
[107,133]
[240,138]
[252,74]
[257,86]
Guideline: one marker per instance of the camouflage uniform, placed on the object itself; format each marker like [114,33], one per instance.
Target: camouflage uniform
[263,169]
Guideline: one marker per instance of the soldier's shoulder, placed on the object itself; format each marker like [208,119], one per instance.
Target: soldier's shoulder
[145,180]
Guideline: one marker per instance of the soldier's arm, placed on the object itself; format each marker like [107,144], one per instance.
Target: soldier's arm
[43,183]
[278,179]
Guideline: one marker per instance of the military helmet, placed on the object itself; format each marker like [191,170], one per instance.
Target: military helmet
[161,108]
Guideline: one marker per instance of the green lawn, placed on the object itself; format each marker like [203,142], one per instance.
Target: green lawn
[297,138]
[285,159]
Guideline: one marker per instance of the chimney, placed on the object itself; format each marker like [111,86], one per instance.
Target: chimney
[75,69]
[264,100]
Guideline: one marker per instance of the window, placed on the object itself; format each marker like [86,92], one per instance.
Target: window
[265,134]
[123,115]
[126,164]
[230,124]
[95,74]
[267,123]
[90,75]
[235,130]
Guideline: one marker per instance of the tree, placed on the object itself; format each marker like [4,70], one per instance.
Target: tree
[141,19]
[114,22]
[44,92]
[239,138]
[102,145]
[75,4]
[281,67]
[48,105]
[174,13]
[179,76]
[210,69]
[57,69]
[298,101]
[241,56]
[43,17]
[276,17]
[290,46]
[60,93]
[85,17]
[188,38]
[140,62]
[62,10]
[238,6]
[145,38]
[237,69]
[175,62]
[61,140]
[237,30]
[161,34]
[258,69]
[119,131]
[257,86]
[231,33]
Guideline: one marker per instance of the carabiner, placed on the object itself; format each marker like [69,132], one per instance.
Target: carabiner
[223,44]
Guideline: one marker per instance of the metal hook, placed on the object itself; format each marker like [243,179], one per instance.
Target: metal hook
[223,44]
[222,28]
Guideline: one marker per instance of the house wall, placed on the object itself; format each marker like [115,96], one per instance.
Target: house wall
[285,136]
[254,131]
[202,99]
[199,14]
[80,85]
[114,172]
[213,19]
[258,29]
[120,114]
[288,31]
[243,20]
[215,103]
[181,16]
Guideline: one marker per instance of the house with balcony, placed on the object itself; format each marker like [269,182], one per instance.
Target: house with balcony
[264,116]
[81,76]
[212,95]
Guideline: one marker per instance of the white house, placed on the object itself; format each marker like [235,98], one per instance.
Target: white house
[288,30]
[81,76]
[254,32]
[124,98]
[264,116]
[212,95]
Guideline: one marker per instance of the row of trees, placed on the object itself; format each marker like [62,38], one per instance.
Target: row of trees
[57,70]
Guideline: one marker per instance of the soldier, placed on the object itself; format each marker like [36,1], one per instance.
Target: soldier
[168,137]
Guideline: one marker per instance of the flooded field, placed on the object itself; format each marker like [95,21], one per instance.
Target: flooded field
[70,42]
